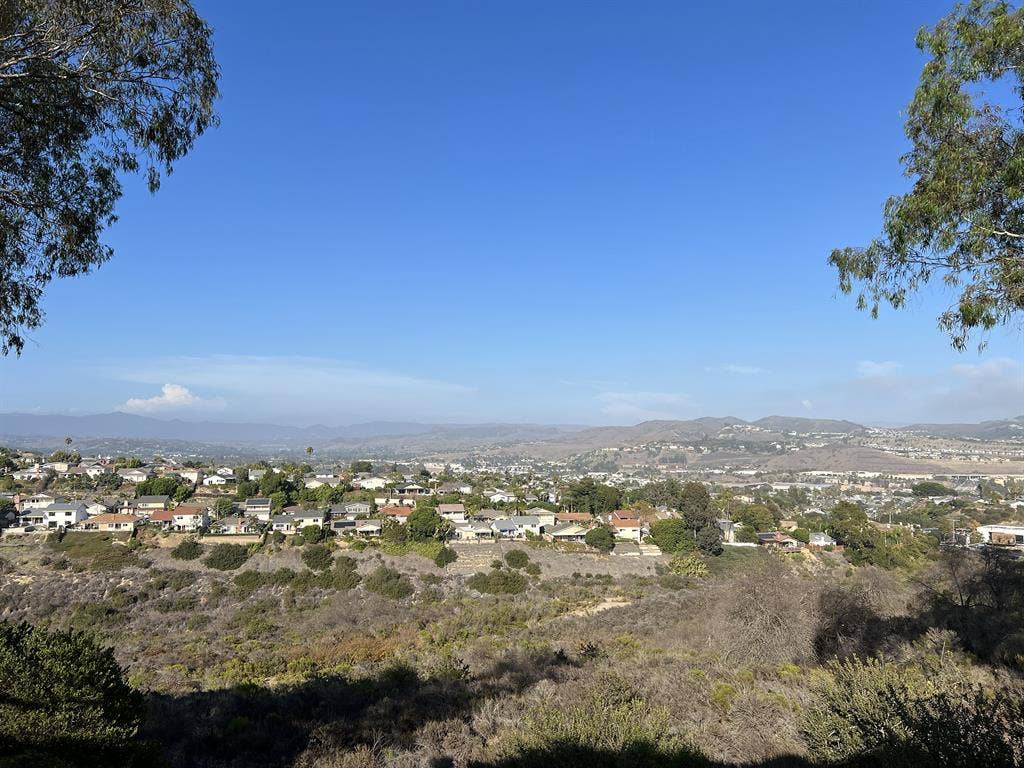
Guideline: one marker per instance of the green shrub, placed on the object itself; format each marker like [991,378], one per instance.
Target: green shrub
[446,556]
[533,569]
[345,575]
[497,582]
[311,534]
[389,583]
[516,558]
[600,538]
[688,565]
[65,701]
[317,557]
[227,557]
[870,711]
[610,720]
[358,545]
[189,549]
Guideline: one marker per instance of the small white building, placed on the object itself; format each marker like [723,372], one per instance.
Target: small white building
[1004,534]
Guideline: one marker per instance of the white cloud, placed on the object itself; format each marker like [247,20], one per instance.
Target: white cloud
[870,369]
[642,406]
[172,397]
[303,389]
[738,370]
[807,404]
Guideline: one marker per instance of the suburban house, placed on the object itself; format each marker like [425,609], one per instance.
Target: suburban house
[504,528]
[235,525]
[471,530]
[352,509]
[283,524]
[151,503]
[370,483]
[112,522]
[546,516]
[501,497]
[463,488]
[214,480]
[318,481]
[28,475]
[227,472]
[821,541]
[187,518]
[59,514]
[133,475]
[307,517]
[778,540]
[162,518]
[455,513]
[368,528]
[488,514]
[583,518]
[192,475]
[259,508]
[566,532]
[412,489]
[625,524]
[526,524]
[400,513]
[1002,535]
[341,525]
[96,508]
[38,501]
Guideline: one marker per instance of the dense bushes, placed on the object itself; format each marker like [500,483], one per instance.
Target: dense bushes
[317,557]
[688,565]
[389,583]
[189,549]
[516,558]
[64,700]
[609,724]
[342,577]
[227,557]
[600,538]
[445,556]
[497,582]
[98,551]
[908,715]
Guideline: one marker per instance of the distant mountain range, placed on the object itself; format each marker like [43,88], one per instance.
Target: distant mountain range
[413,436]
[986,430]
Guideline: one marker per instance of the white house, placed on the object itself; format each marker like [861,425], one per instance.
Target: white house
[133,475]
[258,508]
[61,514]
[455,513]
[370,483]
[38,501]
[192,475]
[498,497]
[1002,535]
[215,480]
[317,482]
[226,472]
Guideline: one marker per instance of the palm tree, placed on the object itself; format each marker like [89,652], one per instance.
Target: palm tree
[68,441]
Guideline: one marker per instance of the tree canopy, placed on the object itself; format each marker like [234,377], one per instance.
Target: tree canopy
[963,219]
[65,701]
[90,89]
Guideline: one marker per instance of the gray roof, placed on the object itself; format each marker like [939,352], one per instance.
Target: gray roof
[525,520]
[504,525]
[281,519]
[161,499]
[258,500]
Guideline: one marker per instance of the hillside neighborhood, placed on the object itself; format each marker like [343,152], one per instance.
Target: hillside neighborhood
[625,513]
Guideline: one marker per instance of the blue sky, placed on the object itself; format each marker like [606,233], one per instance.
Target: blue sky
[551,212]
